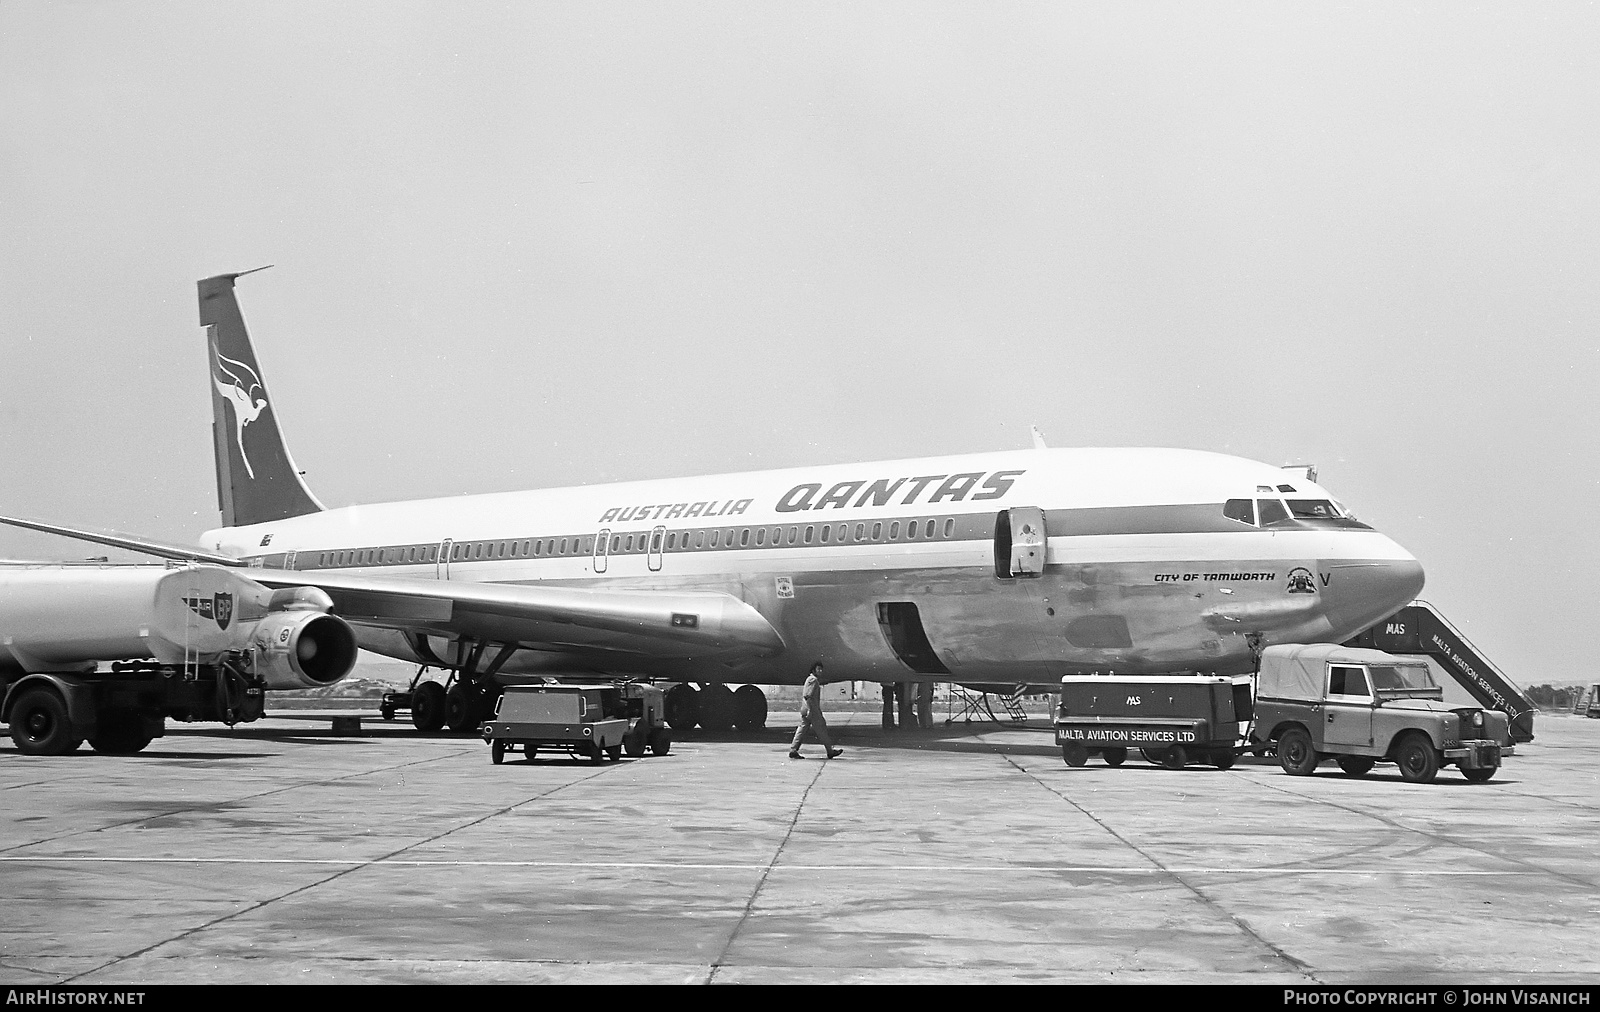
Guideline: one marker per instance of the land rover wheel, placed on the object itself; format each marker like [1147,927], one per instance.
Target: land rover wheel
[1418,760]
[1480,775]
[1074,755]
[1114,756]
[1355,765]
[1295,753]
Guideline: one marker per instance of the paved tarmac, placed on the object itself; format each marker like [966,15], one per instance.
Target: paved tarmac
[279,852]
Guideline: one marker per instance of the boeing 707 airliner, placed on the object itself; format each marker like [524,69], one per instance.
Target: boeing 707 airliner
[1012,567]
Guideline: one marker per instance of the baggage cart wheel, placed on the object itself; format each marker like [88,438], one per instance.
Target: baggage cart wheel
[634,741]
[1419,763]
[1481,775]
[594,753]
[530,749]
[1074,755]
[1355,765]
[1295,753]
[614,753]
[1223,760]
[660,741]
[497,751]
[1114,756]
[1175,758]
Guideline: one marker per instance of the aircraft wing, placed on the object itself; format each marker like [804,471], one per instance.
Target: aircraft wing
[657,625]
[615,624]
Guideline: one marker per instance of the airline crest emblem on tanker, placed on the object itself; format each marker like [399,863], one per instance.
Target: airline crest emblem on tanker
[1301,581]
[241,388]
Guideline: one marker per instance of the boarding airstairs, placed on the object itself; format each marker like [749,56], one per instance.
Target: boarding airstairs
[968,702]
[1588,702]
[1419,628]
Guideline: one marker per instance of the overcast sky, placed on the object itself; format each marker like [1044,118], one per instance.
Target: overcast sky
[522,245]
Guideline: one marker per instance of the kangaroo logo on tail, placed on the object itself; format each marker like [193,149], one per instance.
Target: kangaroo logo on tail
[241,388]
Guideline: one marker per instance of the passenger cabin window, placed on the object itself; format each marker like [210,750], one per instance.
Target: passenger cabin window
[950,527]
[1343,681]
[1271,511]
[894,530]
[1242,510]
[1313,509]
[877,531]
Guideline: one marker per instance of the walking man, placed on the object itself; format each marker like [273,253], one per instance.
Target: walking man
[811,717]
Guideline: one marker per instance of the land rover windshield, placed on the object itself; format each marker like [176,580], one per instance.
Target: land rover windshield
[1401,678]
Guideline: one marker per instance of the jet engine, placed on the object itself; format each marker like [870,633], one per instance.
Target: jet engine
[303,649]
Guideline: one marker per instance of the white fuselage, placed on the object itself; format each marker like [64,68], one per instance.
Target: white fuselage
[887,571]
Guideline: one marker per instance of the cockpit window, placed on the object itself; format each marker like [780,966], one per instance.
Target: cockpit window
[1313,509]
[1271,511]
[1402,676]
[1242,510]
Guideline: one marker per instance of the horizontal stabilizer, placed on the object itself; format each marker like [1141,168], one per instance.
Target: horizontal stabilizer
[145,546]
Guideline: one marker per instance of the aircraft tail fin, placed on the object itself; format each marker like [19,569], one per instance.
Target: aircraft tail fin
[256,478]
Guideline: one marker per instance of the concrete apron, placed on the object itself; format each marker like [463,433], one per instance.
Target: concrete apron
[281,852]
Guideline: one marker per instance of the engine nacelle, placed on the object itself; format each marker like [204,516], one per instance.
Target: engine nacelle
[303,649]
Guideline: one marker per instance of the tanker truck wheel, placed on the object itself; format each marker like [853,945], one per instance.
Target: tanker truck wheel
[1114,756]
[120,734]
[40,726]
[427,707]
[1074,755]
[1175,758]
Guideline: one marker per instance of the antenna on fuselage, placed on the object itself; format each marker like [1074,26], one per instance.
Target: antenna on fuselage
[1038,438]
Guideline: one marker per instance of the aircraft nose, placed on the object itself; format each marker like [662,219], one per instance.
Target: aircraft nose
[1368,590]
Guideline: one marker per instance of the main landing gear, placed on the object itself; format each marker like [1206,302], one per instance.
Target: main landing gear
[716,707]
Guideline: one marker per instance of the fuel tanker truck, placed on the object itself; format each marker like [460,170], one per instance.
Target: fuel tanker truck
[108,653]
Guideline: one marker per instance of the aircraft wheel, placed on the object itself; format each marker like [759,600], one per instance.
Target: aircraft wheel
[1223,760]
[460,710]
[1419,761]
[749,708]
[660,741]
[1176,758]
[1295,753]
[497,751]
[1481,775]
[716,708]
[1074,755]
[427,707]
[40,726]
[1355,765]
[682,706]
[1114,756]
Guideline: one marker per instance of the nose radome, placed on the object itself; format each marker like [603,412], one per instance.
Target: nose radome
[1371,590]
